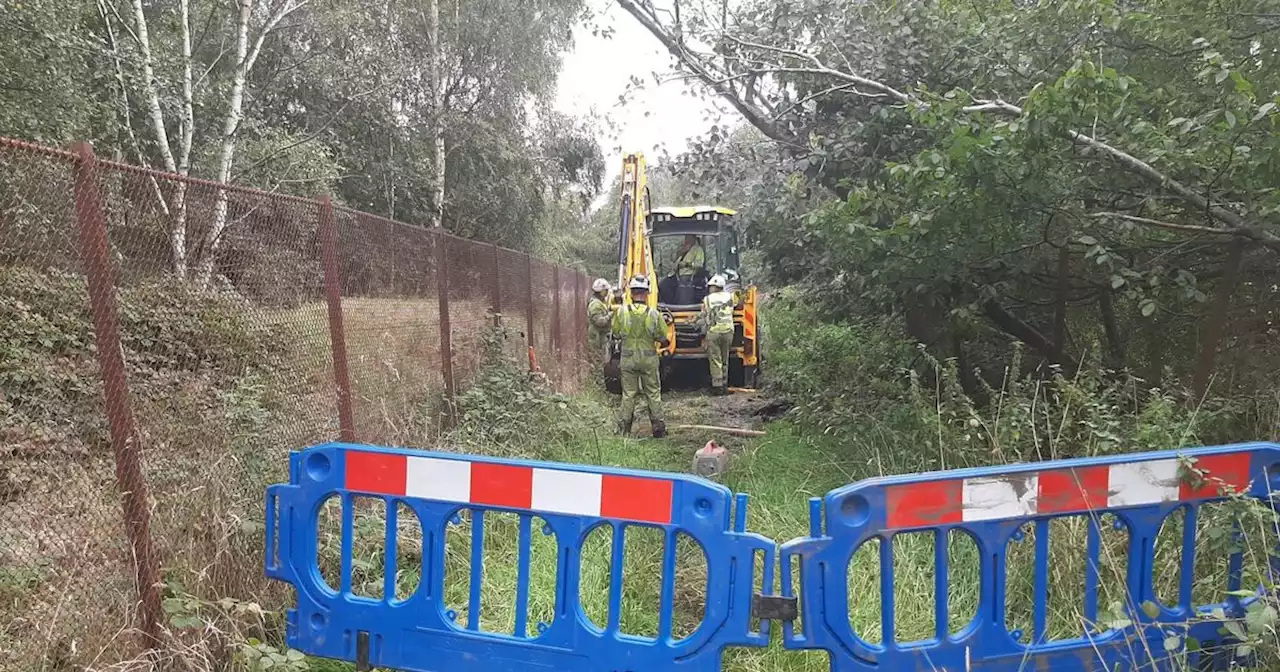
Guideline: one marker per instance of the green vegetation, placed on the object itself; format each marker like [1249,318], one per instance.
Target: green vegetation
[913,427]
[991,232]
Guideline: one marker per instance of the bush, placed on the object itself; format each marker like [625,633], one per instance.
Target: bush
[505,405]
[835,372]
[862,385]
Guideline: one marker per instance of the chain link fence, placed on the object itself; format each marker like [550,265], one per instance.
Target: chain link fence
[165,341]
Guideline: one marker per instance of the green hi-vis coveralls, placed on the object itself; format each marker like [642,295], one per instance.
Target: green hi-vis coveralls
[599,321]
[691,261]
[717,316]
[641,328]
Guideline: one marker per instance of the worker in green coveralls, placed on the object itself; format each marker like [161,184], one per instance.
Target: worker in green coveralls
[599,320]
[642,331]
[716,318]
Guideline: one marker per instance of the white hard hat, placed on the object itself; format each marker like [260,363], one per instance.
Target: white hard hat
[600,285]
[716,280]
[639,282]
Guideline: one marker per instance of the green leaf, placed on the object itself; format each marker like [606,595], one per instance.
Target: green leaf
[1231,118]
[1172,643]
[1264,111]
[1260,619]
[183,622]
[1148,307]
[1151,609]
[1116,282]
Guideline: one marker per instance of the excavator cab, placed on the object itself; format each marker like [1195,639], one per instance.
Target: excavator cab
[690,245]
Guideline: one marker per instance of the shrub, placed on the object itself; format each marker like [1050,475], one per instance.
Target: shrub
[858,382]
[505,405]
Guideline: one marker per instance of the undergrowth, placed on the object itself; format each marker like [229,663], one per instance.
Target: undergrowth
[865,404]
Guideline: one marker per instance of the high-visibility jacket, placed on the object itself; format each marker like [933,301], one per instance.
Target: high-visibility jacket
[641,328]
[600,320]
[691,261]
[717,312]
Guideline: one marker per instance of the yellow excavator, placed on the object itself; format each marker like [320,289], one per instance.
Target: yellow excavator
[652,242]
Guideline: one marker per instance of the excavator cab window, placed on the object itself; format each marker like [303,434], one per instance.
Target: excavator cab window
[685,262]
[729,255]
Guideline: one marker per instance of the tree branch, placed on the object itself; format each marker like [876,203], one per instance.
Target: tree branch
[751,113]
[285,9]
[816,67]
[1263,237]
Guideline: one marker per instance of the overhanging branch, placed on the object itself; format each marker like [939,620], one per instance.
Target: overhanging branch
[800,62]
[753,114]
[1263,237]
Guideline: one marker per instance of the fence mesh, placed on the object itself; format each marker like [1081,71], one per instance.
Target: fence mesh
[229,327]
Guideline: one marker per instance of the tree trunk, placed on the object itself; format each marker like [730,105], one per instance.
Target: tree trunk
[245,59]
[435,153]
[969,382]
[1014,326]
[178,224]
[227,150]
[178,211]
[1115,344]
[1155,355]
[1216,323]
[1060,303]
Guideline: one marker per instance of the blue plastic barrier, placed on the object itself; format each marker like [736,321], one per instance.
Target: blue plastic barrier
[992,507]
[997,506]
[419,633]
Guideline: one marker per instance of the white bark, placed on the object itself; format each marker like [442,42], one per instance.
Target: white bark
[125,114]
[149,87]
[178,213]
[178,227]
[245,59]
[436,154]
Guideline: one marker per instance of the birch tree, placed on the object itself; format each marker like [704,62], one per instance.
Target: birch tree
[245,58]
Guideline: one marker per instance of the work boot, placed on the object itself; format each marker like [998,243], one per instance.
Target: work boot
[659,429]
[624,428]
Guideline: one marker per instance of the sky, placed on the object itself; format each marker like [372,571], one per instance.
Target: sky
[598,71]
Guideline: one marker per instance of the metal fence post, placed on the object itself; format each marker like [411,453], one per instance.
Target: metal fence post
[100,272]
[557,345]
[337,330]
[580,324]
[446,342]
[528,293]
[497,286]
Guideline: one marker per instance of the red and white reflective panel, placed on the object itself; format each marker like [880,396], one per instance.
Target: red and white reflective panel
[1073,490]
[579,493]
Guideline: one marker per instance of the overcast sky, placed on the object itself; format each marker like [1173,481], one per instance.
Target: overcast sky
[597,72]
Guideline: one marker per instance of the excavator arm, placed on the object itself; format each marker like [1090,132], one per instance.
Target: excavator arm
[635,254]
[635,249]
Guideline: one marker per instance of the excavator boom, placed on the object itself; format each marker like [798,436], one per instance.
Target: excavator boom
[634,250]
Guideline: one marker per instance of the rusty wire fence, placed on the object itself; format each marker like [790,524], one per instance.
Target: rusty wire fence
[164,342]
